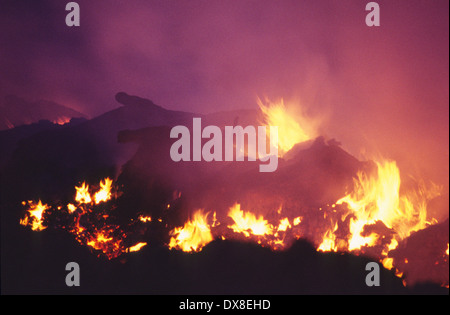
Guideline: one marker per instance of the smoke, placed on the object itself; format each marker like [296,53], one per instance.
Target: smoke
[384,89]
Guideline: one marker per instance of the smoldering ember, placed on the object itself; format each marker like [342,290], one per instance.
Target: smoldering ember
[212,150]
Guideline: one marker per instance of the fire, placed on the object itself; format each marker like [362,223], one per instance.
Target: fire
[83,195]
[284,225]
[104,194]
[374,201]
[71,208]
[378,199]
[145,219]
[247,223]
[388,263]
[276,234]
[297,221]
[195,234]
[291,129]
[90,228]
[329,241]
[137,247]
[34,216]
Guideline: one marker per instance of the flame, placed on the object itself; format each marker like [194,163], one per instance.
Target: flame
[194,235]
[297,221]
[329,241]
[291,128]
[145,218]
[374,199]
[247,223]
[104,194]
[34,217]
[71,208]
[264,232]
[137,247]
[388,263]
[90,228]
[82,195]
[378,199]
[284,225]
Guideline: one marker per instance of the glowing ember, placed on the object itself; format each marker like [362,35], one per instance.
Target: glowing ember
[89,227]
[105,241]
[145,218]
[297,221]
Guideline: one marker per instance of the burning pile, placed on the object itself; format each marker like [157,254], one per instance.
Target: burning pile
[371,219]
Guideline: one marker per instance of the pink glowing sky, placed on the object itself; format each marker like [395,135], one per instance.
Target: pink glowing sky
[383,88]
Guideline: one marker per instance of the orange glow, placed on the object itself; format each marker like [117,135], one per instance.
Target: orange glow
[62,120]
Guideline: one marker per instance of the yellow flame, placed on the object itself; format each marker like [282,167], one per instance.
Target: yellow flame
[378,199]
[145,218]
[329,241]
[194,235]
[284,225]
[34,216]
[290,131]
[104,194]
[137,247]
[71,208]
[388,263]
[247,223]
[297,221]
[82,195]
